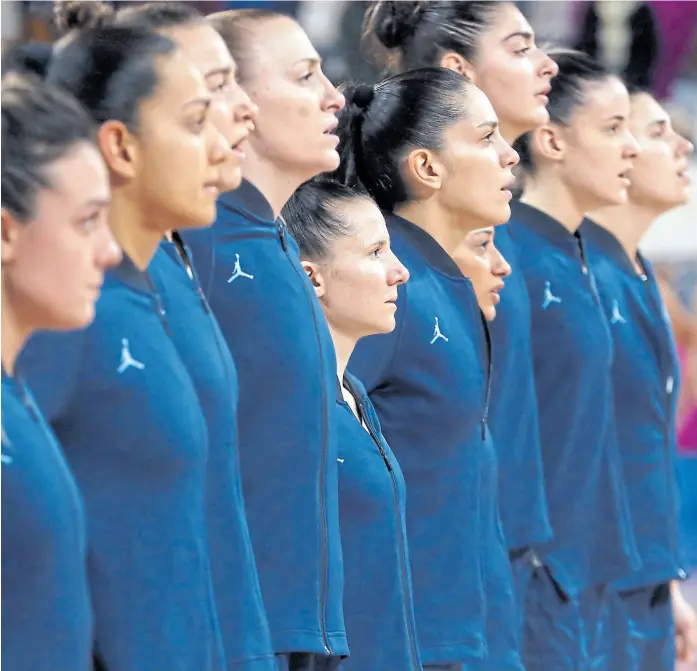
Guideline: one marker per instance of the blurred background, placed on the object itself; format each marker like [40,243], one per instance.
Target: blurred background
[652,43]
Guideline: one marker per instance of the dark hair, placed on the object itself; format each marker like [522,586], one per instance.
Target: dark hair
[31,58]
[576,72]
[380,124]
[69,15]
[110,70]
[417,34]
[314,216]
[40,125]
[235,26]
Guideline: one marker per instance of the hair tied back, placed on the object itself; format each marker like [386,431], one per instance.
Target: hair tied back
[363,96]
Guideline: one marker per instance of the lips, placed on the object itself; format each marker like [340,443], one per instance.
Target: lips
[329,130]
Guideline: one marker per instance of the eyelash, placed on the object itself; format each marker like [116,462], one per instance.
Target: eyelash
[307,77]
[522,52]
[376,252]
[489,137]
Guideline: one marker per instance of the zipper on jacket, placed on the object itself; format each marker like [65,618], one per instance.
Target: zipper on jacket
[159,306]
[490,369]
[180,246]
[323,456]
[402,542]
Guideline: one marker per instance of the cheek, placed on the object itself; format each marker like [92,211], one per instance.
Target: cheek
[221,118]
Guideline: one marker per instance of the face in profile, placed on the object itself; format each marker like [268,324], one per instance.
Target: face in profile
[598,147]
[53,264]
[480,261]
[660,177]
[476,163]
[357,282]
[297,103]
[514,72]
[231,110]
[179,152]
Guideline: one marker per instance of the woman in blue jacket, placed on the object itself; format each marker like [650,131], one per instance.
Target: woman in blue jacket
[56,245]
[250,272]
[345,250]
[577,162]
[426,146]
[640,630]
[118,395]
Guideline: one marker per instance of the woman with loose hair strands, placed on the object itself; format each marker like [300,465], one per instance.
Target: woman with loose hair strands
[649,619]
[345,250]
[494,46]
[119,395]
[577,162]
[198,338]
[56,245]
[273,323]
[425,145]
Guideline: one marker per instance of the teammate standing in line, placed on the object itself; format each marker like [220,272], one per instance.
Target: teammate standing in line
[494,46]
[272,321]
[198,338]
[577,162]
[426,146]
[56,245]
[345,249]
[645,374]
[118,395]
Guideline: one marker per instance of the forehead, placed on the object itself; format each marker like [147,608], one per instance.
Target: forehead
[507,19]
[604,99]
[646,110]
[180,82]
[365,218]
[277,45]
[202,44]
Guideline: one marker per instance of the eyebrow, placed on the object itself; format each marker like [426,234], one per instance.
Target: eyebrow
[617,117]
[525,34]
[225,70]
[662,123]
[310,60]
[97,202]
[486,232]
[378,243]
[203,102]
[489,124]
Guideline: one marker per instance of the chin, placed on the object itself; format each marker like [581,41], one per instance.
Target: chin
[489,313]
[330,161]
[79,318]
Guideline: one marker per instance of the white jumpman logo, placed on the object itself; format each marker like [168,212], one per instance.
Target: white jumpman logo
[437,334]
[617,317]
[127,361]
[549,297]
[238,272]
[5,458]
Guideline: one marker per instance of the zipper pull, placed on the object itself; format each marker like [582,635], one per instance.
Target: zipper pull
[282,236]
[484,427]
[202,298]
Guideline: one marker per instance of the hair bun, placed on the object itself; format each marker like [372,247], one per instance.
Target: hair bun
[76,14]
[31,58]
[395,22]
[363,95]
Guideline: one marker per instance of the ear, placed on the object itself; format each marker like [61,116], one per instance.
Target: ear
[424,172]
[549,142]
[457,63]
[11,231]
[316,277]
[119,149]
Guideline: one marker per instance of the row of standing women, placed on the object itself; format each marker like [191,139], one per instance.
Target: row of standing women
[208,468]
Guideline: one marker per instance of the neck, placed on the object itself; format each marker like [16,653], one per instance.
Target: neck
[556,200]
[628,223]
[276,184]
[343,346]
[128,223]
[14,333]
[445,227]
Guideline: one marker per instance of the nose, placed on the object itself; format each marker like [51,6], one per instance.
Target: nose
[244,110]
[509,156]
[548,66]
[398,273]
[218,146]
[685,147]
[631,147]
[501,268]
[108,251]
[334,100]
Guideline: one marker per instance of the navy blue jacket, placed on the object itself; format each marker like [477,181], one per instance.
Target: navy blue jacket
[46,610]
[125,410]
[513,413]
[645,375]
[429,383]
[272,321]
[572,355]
[203,349]
[378,602]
